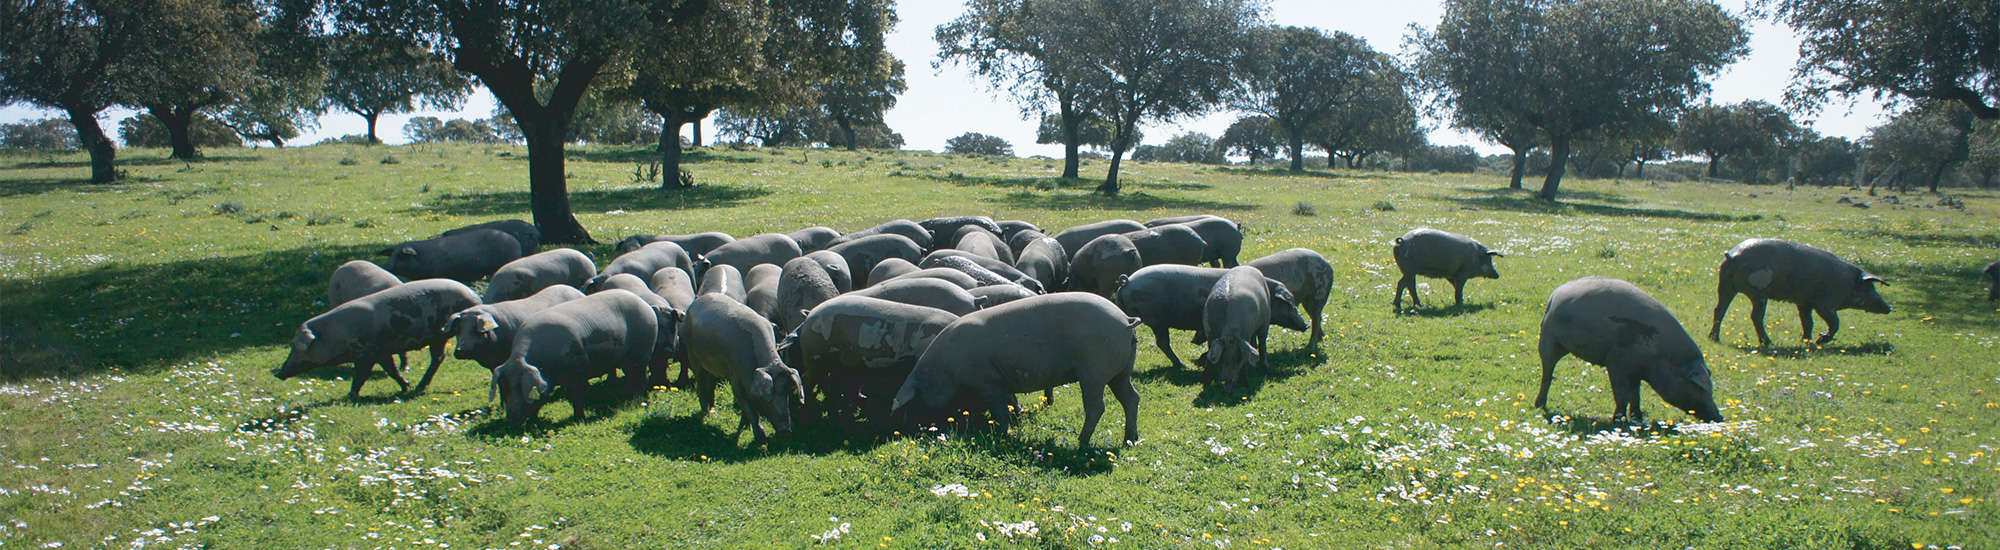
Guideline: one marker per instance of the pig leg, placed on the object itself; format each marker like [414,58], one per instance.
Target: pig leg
[577,387]
[1832,323]
[1093,408]
[1722,298]
[1409,281]
[1048,397]
[1805,321]
[1757,320]
[388,367]
[1551,353]
[1315,310]
[437,357]
[1458,291]
[1121,386]
[1624,394]
[704,391]
[362,368]
[1166,346]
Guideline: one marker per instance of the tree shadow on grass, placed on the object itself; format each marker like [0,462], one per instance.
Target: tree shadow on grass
[1453,310]
[1534,205]
[1948,294]
[600,200]
[147,161]
[624,155]
[1577,195]
[143,317]
[1988,241]
[1127,201]
[1282,172]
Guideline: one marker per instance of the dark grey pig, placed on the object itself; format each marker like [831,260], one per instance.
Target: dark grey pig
[695,243]
[644,262]
[727,341]
[944,230]
[946,274]
[803,285]
[1432,253]
[355,279]
[747,252]
[1044,261]
[815,237]
[1098,266]
[1169,244]
[982,243]
[1613,324]
[486,332]
[979,274]
[994,295]
[1018,241]
[1236,316]
[366,331]
[890,269]
[836,267]
[1004,270]
[467,256]
[1308,275]
[1074,238]
[526,276]
[635,285]
[1222,238]
[602,334]
[858,350]
[1172,297]
[1992,274]
[723,279]
[863,254]
[931,293]
[1009,228]
[982,360]
[908,229]
[1813,279]
[675,286]
[760,290]
[522,231]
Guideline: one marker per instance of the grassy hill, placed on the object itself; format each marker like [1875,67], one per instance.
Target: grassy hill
[139,320]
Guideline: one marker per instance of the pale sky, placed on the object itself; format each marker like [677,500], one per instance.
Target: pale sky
[947,101]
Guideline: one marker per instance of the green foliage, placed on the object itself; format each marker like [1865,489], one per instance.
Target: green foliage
[71,56]
[974,143]
[1751,129]
[1945,50]
[1571,68]
[1301,79]
[1093,131]
[1380,118]
[372,75]
[196,57]
[1827,160]
[142,130]
[1925,141]
[1191,147]
[47,133]
[1454,158]
[1252,136]
[426,129]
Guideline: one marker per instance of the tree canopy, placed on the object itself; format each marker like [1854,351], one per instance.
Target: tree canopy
[73,57]
[1947,50]
[1252,136]
[1569,68]
[1026,49]
[1747,129]
[372,75]
[974,143]
[1302,79]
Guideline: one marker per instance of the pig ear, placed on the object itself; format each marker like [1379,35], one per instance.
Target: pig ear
[536,383]
[405,251]
[798,387]
[1495,253]
[1133,322]
[451,323]
[903,397]
[1249,351]
[1870,277]
[486,323]
[979,302]
[761,383]
[1696,371]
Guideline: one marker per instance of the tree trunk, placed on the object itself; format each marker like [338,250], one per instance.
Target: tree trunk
[1110,185]
[670,147]
[699,115]
[103,155]
[1639,170]
[548,190]
[1520,169]
[846,130]
[1937,175]
[1297,146]
[1072,137]
[1332,160]
[1621,171]
[370,117]
[1558,161]
[1713,161]
[178,132]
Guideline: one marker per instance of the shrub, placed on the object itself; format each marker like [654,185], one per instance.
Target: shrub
[972,143]
[1302,209]
[47,134]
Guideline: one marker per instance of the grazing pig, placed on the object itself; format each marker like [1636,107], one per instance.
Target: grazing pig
[675,286]
[1814,279]
[644,262]
[748,252]
[725,280]
[944,230]
[979,242]
[836,267]
[863,254]
[859,350]
[1009,228]
[1307,274]
[803,285]
[760,290]
[931,293]
[567,345]
[908,229]
[486,332]
[982,360]
[355,279]
[727,341]
[1172,297]
[890,269]
[1992,274]
[466,256]
[1074,238]
[522,232]
[1098,266]
[635,285]
[367,330]
[526,276]
[994,295]
[1236,316]
[1044,261]
[1169,244]
[979,274]
[1613,324]
[1432,253]
[695,244]
[1004,270]
[946,274]
[1018,242]
[815,237]
[1222,238]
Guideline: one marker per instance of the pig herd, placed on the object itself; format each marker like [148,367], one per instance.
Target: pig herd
[946,320]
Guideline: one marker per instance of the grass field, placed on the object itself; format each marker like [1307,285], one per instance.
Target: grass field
[139,320]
